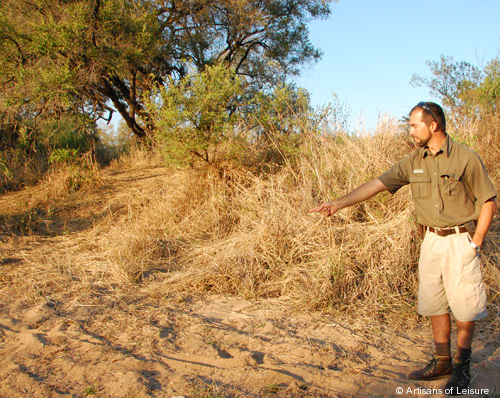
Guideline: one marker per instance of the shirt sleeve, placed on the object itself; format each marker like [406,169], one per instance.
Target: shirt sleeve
[397,176]
[478,181]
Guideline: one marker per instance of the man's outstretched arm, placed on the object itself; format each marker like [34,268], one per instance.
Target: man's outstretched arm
[360,194]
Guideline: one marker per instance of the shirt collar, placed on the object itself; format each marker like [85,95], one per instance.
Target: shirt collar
[445,148]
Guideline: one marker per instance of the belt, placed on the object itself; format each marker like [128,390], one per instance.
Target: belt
[447,231]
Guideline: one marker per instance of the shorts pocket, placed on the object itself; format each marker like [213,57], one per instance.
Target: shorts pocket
[474,292]
[470,250]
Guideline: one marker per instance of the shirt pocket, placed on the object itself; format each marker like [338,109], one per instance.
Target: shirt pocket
[420,185]
[456,194]
[454,187]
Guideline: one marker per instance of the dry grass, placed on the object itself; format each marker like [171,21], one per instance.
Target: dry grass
[271,246]
[192,231]
[136,158]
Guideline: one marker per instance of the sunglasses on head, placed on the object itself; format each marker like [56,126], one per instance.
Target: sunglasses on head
[426,108]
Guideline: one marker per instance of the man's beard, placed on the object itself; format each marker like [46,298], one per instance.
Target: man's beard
[421,143]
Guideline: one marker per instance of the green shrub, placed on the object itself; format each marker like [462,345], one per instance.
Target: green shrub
[196,116]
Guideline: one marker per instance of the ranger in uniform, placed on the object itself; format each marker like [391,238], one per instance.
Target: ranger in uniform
[454,203]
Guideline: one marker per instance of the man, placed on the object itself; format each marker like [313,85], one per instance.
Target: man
[450,189]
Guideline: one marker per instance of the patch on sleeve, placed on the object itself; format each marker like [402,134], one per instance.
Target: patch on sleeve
[418,171]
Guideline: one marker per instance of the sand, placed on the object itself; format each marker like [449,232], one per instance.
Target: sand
[133,346]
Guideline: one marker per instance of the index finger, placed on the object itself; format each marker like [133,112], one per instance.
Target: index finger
[318,208]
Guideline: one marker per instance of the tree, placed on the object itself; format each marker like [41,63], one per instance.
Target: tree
[92,57]
[464,89]
[451,80]
[471,99]
[489,89]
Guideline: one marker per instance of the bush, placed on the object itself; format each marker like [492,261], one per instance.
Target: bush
[197,115]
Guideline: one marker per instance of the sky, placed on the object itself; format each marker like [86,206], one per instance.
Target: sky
[372,48]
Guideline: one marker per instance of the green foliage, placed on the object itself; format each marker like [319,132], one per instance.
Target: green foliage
[489,89]
[64,155]
[81,56]
[451,81]
[467,92]
[64,65]
[90,390]
[5,173]
[471,99]
[210,116]
[198,114]
[281,121]
[29,148]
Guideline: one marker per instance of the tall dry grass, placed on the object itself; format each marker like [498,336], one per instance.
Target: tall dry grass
[201,231]
[362,255]
[252,235]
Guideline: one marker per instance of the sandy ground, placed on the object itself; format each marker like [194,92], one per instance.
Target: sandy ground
[129,346]
[136,341]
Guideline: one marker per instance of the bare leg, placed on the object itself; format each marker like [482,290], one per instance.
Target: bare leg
[465,333]
[441,327]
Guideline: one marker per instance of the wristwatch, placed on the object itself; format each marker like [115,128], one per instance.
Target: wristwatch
[475,247]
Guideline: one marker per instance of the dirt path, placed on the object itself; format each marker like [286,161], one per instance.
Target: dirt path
[61,339]
[130,346]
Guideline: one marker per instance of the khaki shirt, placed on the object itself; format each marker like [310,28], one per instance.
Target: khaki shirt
[448,188]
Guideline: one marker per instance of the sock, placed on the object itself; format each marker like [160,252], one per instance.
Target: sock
[442,349]
[463,354]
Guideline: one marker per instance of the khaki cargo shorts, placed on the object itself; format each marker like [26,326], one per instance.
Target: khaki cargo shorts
[450,276]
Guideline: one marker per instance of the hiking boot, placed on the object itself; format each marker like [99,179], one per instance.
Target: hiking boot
[460,378]
[438,366]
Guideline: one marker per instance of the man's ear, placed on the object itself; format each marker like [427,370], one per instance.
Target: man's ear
[434,126]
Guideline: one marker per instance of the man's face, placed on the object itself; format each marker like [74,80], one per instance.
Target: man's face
[419,131]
